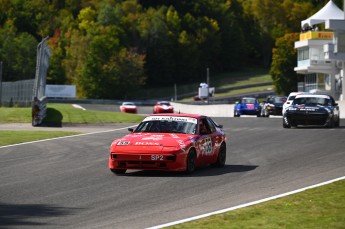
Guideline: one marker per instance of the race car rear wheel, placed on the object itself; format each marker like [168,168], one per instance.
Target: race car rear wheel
[221,157]
[190,163]
[118,171]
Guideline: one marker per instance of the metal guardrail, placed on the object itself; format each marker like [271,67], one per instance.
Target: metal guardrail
[39,104]
[39,110]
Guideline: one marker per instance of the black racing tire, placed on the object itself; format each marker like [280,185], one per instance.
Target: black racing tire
[221,158]
[190,162]
[285,124]
[118,171]
[236,114]
[337,123]
[331,123]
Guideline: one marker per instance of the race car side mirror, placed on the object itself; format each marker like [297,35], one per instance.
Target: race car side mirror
[130,129]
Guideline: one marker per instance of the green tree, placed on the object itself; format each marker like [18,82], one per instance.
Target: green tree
[284,60]
[18,53]
[275,18]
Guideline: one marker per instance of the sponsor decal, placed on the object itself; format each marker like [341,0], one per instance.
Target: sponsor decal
[205,146]
[308,109]
[182,144]
[250,106]
[157,157]
[123,143]
[170,118]
[147,144]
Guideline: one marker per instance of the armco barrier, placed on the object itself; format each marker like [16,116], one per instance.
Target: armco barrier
[39,110]
[224,110]
[212,110]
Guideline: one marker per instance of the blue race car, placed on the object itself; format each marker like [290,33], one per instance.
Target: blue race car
[247,106]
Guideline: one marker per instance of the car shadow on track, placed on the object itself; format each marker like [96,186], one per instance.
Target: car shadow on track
[317,127]
[199,172]
[21,215]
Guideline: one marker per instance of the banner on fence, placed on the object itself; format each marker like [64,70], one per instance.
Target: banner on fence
[61,91]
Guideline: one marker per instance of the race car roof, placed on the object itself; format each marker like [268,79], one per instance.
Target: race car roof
[312,96]
[179,115]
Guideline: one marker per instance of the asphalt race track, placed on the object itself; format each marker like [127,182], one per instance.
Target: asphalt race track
[65,183]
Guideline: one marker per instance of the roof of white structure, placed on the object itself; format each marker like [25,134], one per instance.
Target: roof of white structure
[329,11]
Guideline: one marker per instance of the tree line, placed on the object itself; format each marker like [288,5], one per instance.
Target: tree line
[110,48]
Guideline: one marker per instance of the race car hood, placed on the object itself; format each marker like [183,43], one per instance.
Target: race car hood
[276,104]
[248,106]
[152,141]
[165,107]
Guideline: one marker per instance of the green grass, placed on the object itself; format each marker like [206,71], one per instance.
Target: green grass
[245,90]
[57,114]
[322,207]
[66,113]
[244,79]
[9,137]
[219,81]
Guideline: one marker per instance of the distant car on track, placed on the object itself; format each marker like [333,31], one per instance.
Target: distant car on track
[247,106]
[169,142]
[273,105]
[128,107]
[163,107]
[312,109]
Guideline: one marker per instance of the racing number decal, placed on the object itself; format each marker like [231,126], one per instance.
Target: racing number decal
[205,146]
[208,145]
[157,157]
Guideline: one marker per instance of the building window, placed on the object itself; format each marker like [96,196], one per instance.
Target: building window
[303,54]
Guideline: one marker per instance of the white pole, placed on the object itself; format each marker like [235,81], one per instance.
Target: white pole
[175,89]
[208,83]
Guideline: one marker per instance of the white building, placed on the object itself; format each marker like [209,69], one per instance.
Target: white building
[321,54]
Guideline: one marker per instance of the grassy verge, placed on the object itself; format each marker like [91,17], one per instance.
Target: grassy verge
[66,113]
[9,137]
[219,81]
[322,207]
[57,114]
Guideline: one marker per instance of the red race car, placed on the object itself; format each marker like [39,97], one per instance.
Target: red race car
[163,107]
[128,107]
[170,142]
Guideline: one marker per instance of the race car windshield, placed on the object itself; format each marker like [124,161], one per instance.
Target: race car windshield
[279,100]
[312,101]
[161,126]
[248,100]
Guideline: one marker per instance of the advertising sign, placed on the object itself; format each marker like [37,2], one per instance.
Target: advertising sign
[61,91]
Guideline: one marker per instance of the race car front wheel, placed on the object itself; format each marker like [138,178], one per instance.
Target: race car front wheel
[286,123]
[190,163]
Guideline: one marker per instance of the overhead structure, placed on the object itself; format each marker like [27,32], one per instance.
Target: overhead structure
[329,11]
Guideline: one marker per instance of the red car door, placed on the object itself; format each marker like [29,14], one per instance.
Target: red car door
[207,142]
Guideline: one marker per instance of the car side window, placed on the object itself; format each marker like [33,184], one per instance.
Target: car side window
[211,126]
[204,127]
